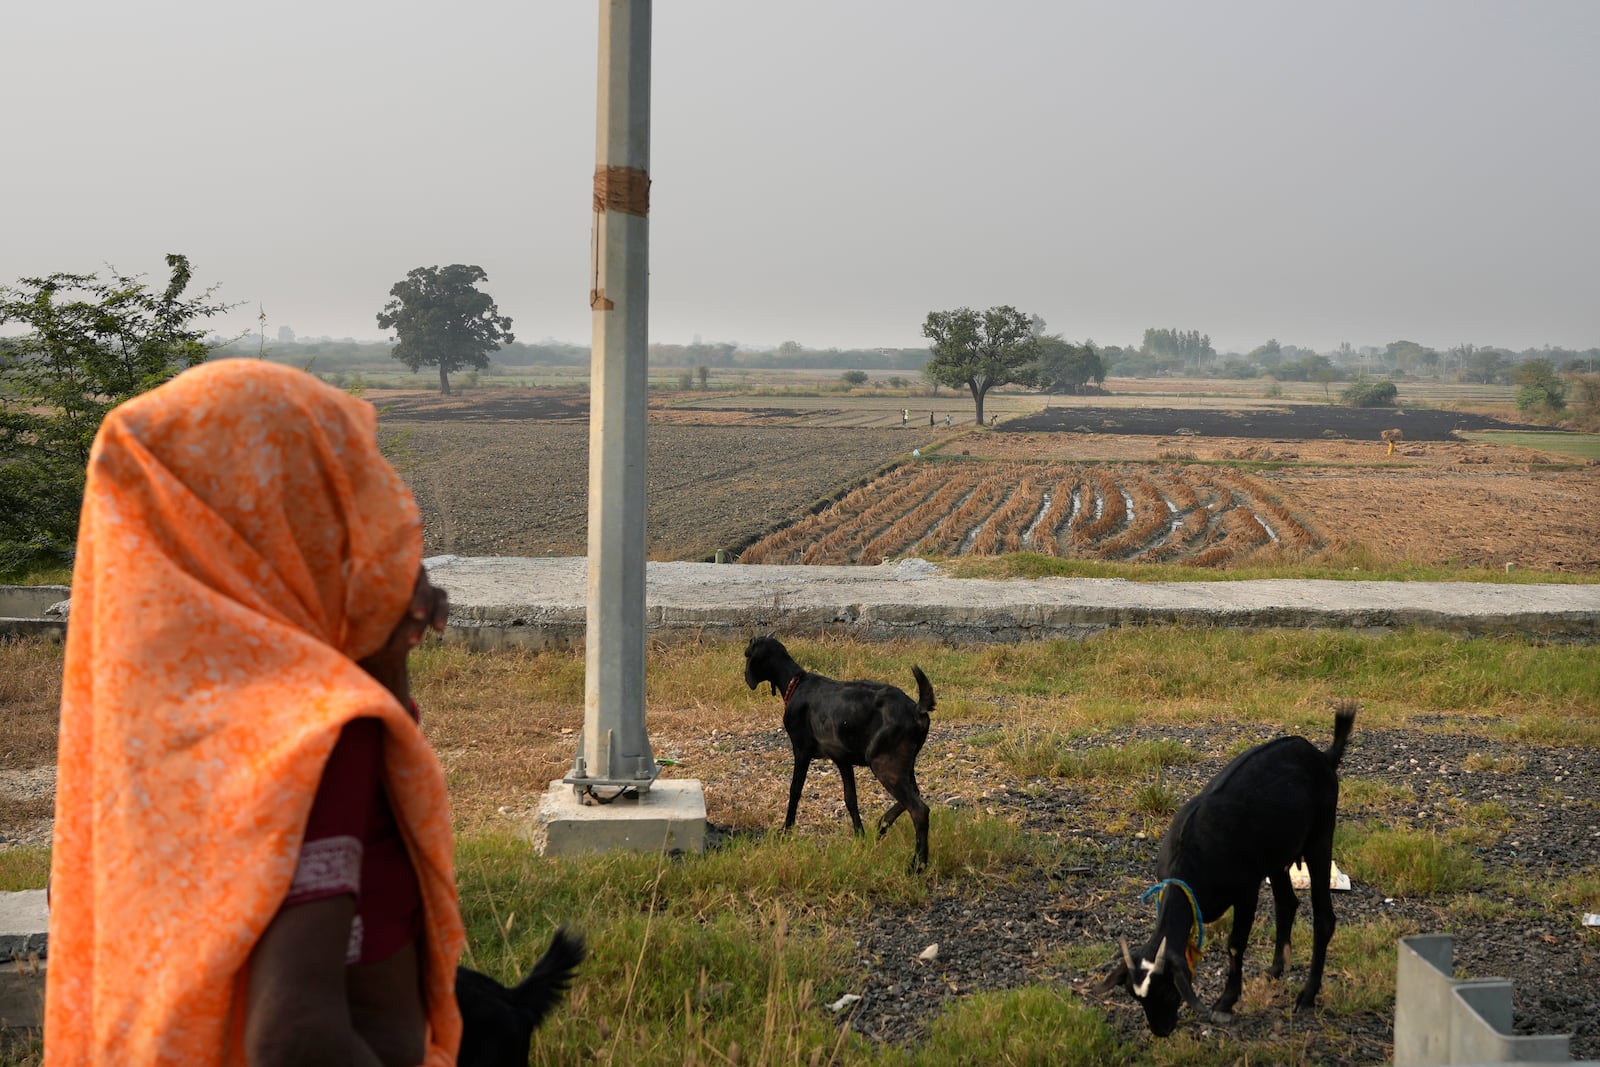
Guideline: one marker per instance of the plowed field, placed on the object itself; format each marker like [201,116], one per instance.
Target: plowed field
[1190,514]
[505,474]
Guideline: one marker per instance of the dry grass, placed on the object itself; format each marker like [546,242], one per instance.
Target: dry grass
[30,692]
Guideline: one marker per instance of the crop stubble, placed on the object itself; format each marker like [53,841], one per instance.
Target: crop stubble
[518,486]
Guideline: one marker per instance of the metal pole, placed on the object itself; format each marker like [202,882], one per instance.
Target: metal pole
[614,749]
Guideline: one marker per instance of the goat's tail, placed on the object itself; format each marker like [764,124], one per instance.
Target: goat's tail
[542,990]
[924,691]
[1344,720]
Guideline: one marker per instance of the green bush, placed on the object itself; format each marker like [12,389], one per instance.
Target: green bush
[1370,394]
[89,345]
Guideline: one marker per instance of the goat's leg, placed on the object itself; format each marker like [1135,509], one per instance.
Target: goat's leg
[1284,904]
[1244,917]
[898,774]
[802,764]
[1319,861]
[847,775]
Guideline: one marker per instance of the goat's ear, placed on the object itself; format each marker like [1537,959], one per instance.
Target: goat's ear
[1180,978]
[1117,977]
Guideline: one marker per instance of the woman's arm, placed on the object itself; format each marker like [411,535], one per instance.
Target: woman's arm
[305,1007]
[297,1010]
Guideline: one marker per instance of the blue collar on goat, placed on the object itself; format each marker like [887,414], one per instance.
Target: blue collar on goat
[1197,939]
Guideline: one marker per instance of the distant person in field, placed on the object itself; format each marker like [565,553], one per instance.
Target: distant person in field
[253,859]
[905,417]
[947,421]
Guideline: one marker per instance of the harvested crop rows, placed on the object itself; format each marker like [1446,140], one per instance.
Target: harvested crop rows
[1193,514]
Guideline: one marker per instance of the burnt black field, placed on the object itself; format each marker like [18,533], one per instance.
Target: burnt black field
[1291,422]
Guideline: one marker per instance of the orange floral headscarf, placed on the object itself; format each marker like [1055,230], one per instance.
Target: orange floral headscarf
[243,543]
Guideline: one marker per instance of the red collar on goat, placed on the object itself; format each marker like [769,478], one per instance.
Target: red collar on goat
[788,690]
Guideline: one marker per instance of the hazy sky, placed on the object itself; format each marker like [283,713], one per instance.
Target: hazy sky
[830,171]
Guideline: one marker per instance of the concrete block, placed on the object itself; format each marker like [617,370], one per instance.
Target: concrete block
[24,924]
[24,934]
[670,817]
[1481,1030]
[1441,1019]
[22,994]
[1423,984]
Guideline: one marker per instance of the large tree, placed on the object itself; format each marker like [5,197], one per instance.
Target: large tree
[981,350]
[441,319]
[1065,367]
[88,344]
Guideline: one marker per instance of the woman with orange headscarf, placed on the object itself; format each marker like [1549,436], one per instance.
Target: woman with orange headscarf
[253,853]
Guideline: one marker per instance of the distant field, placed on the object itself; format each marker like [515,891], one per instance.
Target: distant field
[1581,445]
[786,474]
[1195,515]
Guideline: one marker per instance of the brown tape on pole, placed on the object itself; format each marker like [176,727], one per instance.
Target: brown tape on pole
[624,189]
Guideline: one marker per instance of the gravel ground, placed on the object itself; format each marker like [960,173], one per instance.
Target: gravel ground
[1000,933]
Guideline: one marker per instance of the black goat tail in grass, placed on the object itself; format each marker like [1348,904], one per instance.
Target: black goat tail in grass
[1344,719]
[497,1023]
[547,983]
[924,691]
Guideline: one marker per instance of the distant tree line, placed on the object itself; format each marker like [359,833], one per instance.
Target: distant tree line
[790,355]
[1184,346]
[348,353]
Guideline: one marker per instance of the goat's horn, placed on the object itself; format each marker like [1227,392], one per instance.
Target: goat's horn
[1127,957]
[1161,958]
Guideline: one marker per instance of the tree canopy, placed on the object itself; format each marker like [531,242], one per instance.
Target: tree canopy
[441,319]
[981,350]
[1181,346]
[90,343]
[1066,368]
[1539,387]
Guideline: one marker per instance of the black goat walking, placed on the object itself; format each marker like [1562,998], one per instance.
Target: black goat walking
[854,724]
[1272,806]
[497,1023]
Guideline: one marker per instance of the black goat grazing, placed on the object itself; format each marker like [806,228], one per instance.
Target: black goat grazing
[497,1023]
[854,724]
[1272,806]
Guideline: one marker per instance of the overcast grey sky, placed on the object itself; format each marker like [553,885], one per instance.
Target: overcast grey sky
[830,171]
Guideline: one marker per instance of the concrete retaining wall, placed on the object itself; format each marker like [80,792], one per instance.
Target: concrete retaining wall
[24,929]
[23,607]
[1441,1019]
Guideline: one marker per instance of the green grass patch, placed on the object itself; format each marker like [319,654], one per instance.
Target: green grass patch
[1345,565]
[1041,752]
[1579,892]
[1035,1024]
[24,868]
[1156,799]
[1408,862]
[1120,677]
[40,575]
[1575,730]
[1363,794]
[1581,445]
[1361,963]
[727,955]
[1489,815]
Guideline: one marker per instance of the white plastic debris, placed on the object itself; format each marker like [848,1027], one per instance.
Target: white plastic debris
[1591,918]
[929,954]
[1300,878]
[843,1002]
